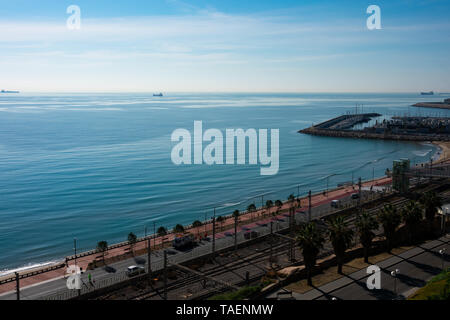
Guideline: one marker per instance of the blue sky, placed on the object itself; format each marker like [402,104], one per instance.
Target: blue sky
[227,45]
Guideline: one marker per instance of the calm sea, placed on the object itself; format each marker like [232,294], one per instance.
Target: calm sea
[98,166]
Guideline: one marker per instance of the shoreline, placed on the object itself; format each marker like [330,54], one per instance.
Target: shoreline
[120,250]
[442,154]
[444,151]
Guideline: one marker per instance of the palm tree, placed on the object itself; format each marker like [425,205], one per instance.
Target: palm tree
[291,198]
[220,220]
[390,219]
[310,240]
[132,239]
[412,215]
[431,203]
[341,238]
[102,246]
[178,229]
[197,224]
[279,204]
[236,218]
[251,208]
[366,224]
[162,231]
[269,205]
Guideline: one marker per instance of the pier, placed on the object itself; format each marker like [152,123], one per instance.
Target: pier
[399,128]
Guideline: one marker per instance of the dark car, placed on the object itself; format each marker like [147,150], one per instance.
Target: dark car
[355,196]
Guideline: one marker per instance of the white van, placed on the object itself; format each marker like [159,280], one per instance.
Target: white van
[134,271]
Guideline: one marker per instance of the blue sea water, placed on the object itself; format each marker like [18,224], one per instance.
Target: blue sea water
[97,166]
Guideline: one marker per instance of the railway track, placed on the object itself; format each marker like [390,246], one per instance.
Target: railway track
[219,270]
[257,260]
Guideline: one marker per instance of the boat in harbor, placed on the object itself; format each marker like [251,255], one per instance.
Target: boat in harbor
[430,93]
[158,94]
[6,91]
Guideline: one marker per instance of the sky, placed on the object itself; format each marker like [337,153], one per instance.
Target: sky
[225,46]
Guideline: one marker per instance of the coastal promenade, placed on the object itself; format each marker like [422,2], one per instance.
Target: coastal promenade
[319,203]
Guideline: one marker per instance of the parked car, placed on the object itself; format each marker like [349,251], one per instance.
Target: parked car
[355,196]
[183,241]
[134,271]
[335,203]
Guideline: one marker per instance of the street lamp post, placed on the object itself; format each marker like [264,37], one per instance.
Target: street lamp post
[154,235]
[394,274]
[75,249]
[443,218]
[442,252]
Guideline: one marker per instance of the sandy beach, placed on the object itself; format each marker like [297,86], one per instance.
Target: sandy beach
[444,147]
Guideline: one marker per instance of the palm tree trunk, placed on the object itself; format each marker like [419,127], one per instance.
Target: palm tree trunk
[388,245]
[339,263]
[308,275]
[366,254]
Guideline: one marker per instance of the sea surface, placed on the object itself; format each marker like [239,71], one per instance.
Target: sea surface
[98,166]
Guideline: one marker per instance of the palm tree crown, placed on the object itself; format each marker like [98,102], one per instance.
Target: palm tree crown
[341,238]
[366,224]
[390,219]
[310,240]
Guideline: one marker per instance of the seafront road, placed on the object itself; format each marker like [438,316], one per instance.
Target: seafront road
[56,283]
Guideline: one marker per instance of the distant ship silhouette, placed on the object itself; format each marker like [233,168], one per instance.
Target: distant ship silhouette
[158,94]
[427,93]
[6,91]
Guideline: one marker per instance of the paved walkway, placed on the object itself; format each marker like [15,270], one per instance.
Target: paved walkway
[417,266]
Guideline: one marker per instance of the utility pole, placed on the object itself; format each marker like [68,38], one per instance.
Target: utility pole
[165,275]
[359,193]
[309,206]
[17,286]
[214,235]
[154,235]
[291,243]
[235,232]
[271,243]
[327,185]
[149,259]
[75,249]
[431,169]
